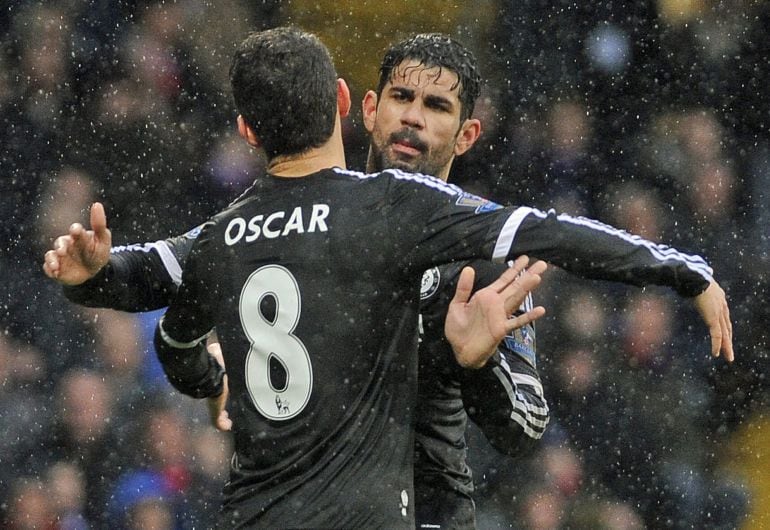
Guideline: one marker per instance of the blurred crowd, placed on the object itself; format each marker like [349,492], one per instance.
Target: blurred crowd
[651,116]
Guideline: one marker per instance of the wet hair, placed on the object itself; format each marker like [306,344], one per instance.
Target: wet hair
[436,50]
[285,87]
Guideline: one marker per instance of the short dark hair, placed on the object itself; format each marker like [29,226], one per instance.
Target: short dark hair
[436,49]
[285,87]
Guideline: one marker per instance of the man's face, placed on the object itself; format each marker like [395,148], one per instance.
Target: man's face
[415,125]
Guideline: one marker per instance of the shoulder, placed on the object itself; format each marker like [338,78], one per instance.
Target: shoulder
[399,178]
[404,178]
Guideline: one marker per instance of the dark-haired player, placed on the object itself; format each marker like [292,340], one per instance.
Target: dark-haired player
[346,471]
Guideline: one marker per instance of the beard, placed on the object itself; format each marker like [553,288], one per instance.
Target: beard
[381,158]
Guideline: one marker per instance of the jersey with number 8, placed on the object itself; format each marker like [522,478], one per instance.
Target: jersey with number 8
[275,341]
[323,389]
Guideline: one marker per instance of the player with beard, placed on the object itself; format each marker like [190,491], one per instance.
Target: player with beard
[505,398]
[412,142]
[420,118]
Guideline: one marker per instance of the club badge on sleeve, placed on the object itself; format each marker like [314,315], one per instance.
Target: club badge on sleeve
[430,280]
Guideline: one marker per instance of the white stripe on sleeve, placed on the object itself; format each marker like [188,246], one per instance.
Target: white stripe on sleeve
[167,257]
[660,252]
[508,233]
[524,413]
[169,261]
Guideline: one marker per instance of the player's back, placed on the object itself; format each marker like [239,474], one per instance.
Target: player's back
[317,321]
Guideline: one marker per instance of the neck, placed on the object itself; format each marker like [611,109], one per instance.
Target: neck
[305,164]
[330,154]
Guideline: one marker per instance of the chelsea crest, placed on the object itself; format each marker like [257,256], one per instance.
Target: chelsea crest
[430,281]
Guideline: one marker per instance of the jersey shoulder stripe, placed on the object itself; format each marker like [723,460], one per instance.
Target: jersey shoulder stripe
[242,195]
[167,257]
[426,180]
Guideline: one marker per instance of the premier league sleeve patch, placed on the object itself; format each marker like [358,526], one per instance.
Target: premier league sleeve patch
[479,203]
[194,233]
[430,280]
[522,343]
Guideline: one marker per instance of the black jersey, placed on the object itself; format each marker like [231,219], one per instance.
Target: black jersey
[504,398]
[313,287]
[579,245]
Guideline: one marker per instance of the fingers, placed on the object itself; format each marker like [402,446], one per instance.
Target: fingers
[464,286]
[51,264]
[515,293]
[726,313]
[539,267]
[215,350]
[76,230]
[510,274]
[224,423]
[519,265]
[98,220]
[726,328]
[721,331]
[524,319]
[716,339]
[518,270]
[220,419]
[713,308]
[78,238]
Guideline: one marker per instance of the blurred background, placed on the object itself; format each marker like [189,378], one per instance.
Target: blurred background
[649,115]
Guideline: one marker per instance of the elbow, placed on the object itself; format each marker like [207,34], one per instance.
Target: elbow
[515,442]
[191,371]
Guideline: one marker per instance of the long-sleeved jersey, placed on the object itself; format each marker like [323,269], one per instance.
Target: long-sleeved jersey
[504,398]
[429,222]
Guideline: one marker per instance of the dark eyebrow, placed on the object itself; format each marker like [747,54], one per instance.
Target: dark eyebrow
[439,101]
[403,91]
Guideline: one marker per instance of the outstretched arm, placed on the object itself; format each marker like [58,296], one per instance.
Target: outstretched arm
[132,278]
[595,250]
[476,325]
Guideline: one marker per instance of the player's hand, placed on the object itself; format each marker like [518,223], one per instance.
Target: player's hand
[80,254]
[475,325]
[219,417]
[712,306]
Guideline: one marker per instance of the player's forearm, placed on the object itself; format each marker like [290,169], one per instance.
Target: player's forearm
[189,369]
[133,280]
[505,399]
[594,250]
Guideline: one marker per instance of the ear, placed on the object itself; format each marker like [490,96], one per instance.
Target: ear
[343,98]
[247,133]
[369,107]
[469,133]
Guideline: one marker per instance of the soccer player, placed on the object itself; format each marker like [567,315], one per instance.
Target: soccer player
[450,216]
[419,119]
[505,397]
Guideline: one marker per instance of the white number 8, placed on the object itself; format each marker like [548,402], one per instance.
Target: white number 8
[273,341]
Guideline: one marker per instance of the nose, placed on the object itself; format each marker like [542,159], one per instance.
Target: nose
[413,116]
